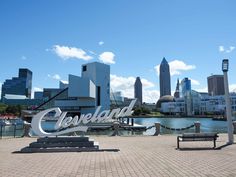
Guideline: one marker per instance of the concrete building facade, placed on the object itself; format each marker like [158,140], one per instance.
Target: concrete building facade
[83,93]
[201,105]
[215,85]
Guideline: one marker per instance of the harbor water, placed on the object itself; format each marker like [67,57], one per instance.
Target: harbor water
[207,125]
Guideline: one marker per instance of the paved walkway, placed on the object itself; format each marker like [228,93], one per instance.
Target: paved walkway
[138,156]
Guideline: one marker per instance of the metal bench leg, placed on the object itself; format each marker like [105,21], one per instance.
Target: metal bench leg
[177,142]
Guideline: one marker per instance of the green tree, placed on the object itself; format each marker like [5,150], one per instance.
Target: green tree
[137,111]
[3,108]
[141,111]
[14,109]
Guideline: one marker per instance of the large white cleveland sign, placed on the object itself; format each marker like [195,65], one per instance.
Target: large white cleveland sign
[71,124]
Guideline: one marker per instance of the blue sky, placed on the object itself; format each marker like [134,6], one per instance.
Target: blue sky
[53,38]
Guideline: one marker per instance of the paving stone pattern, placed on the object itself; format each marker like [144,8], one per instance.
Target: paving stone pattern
[137,156]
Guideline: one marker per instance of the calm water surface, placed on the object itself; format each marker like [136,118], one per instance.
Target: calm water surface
[207,125]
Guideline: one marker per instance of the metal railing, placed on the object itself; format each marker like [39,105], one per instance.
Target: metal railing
[11,130]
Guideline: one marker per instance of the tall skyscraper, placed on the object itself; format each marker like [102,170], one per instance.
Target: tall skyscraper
[176,94]
[26,75]
[165,87]
[186,93]
[138,93]
[185,87]
[21,85]
[216,85]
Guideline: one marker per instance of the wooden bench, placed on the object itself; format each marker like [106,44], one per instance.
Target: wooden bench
[197,137]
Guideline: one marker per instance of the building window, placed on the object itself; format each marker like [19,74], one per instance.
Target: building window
[84,68]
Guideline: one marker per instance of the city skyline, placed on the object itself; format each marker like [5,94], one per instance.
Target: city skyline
[53,39]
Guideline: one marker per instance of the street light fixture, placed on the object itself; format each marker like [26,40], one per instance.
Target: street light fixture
[225,68]
[225,65]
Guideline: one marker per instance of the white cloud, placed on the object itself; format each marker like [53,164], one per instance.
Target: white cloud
[126,86]
[122,83]
[100,43]
[35,89]
[232,87]
[66,52]
[202,89]
[231,48]
[151,96]
[225,50]
[64,82]
[147,84]
[194,82]
[55,76]
[23,57]
[107,57]
[221,48]
[176,66]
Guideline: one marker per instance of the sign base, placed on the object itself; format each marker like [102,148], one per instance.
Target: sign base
[62,144]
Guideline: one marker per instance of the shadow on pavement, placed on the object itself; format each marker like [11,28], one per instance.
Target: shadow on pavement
[99,150]
[203,148]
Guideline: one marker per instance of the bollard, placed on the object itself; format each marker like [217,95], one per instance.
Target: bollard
[234,125]
[116,128]
[197,125]
[132,122]
[158,128]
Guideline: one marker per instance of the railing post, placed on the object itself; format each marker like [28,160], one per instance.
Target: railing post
[14,130]
[1,131]
[234,125]
[158,128]
[197,125]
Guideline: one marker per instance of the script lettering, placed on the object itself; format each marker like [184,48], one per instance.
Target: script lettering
[79,123]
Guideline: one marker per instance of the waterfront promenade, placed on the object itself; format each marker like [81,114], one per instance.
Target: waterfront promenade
[137,156]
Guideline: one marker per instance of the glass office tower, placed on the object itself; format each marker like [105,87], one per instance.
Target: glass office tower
[21,85]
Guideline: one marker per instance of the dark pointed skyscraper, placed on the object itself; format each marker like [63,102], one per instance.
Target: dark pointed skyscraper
[138,93]
[165,88]
[176,94]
